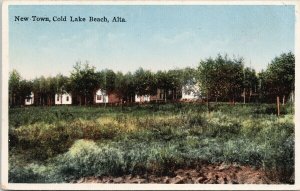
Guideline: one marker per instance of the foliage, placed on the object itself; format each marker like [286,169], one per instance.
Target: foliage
[279,78]
[19,89]
[125,86]
[85,81]
[221,77]
[144,82]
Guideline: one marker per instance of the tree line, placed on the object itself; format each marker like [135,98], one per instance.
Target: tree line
[220,79]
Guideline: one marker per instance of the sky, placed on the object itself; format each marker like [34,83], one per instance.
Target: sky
[154,37]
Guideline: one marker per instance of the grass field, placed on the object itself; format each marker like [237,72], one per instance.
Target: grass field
[61,144]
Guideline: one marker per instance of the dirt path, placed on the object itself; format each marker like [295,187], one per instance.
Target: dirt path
[209,174]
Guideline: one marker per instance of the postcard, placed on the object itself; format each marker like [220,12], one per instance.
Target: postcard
[144,95]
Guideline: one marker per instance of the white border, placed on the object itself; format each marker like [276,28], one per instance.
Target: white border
[150,2]
[64,186]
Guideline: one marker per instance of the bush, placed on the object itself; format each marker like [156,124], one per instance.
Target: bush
[85,158]
[21,174]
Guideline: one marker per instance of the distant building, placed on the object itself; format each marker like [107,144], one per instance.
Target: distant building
[30,99]
[190,92]
[101,96]
[159,96]
[113,98]
[63,99]
[142,98]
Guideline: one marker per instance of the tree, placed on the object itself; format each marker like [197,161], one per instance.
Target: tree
[109,81]
[221,78]
[233,78]
[59,85]
[144,82]
[163,83]
[124,86]
[40,89]
[250,83]
[14,87]
[25,90]
[175,82]
[19,89]
[84,82]
[279,78]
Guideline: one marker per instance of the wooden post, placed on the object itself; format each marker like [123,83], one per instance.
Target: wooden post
[278,106]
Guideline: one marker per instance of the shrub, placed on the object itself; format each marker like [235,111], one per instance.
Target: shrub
[21,174]
[85,158]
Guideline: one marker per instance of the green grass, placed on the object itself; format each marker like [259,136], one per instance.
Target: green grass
[57,144]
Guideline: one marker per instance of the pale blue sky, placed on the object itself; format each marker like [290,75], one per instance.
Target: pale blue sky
[154,37]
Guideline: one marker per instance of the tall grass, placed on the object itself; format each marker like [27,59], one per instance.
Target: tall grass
[147,139]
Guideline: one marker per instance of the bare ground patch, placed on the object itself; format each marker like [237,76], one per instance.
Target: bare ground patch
[208,174]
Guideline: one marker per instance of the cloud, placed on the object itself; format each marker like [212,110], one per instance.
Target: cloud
[178,38]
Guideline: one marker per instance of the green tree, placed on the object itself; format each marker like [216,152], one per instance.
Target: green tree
[109,81]
[250,84]
[144,82]
[60,84]
[279,78]
[163,83]
[84,82]
[124,86]
[25,91]
[40,89]
[221,77]
[14,87]
[207,79]
[175,83]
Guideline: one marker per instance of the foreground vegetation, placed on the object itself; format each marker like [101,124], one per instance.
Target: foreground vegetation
[60,144]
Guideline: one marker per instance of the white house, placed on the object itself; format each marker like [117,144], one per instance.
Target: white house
[101,96]
[143,98]
[62,99]
[191,92]
[30,99]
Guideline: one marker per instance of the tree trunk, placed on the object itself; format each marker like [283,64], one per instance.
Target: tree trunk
[207,95]
[244,95]
[283,100]
[165,95]
[278,106]
[292,97]
[9,99]
[121,104]
[173,96]
[14,99]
